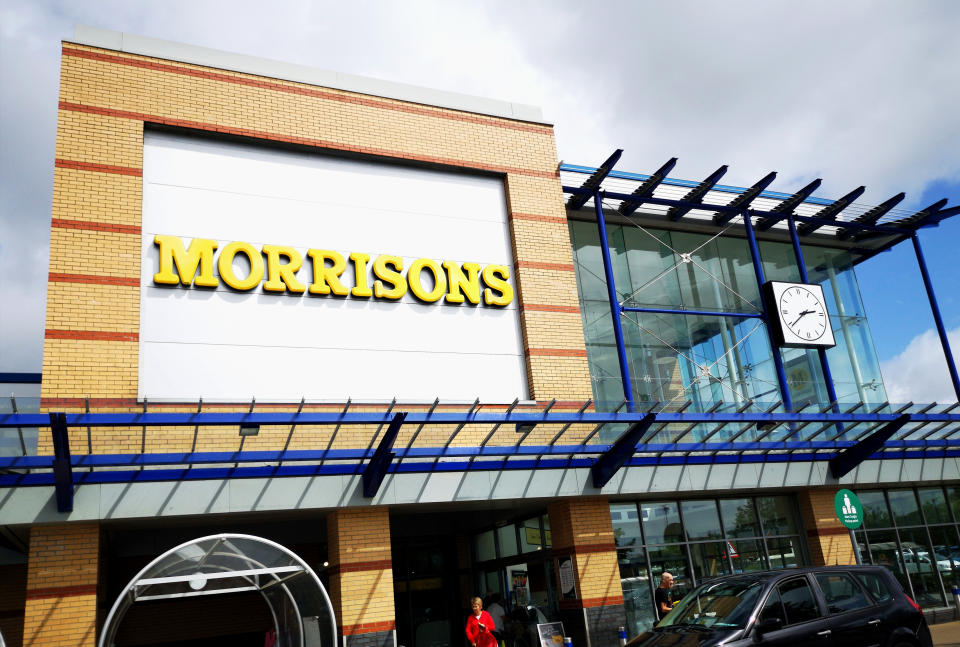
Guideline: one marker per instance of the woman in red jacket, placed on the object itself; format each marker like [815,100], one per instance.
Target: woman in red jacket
[479,626]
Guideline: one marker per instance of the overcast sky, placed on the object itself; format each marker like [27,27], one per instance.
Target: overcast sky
[853,92]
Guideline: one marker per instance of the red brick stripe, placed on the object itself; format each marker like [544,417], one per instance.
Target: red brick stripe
[531,216]
[591,602]
[90,225]
[61,591]
[561,267]
[356,567]
[368,628]
[583,549]
[92,335]
[556,352]
[97,168]
[56,277]
[94,402]
[545,307]
[839,530]
[305,141]
[309,92]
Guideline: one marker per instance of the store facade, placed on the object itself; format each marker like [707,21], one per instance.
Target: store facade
[372,325]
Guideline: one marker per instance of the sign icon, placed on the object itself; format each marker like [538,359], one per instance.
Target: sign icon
[848,508]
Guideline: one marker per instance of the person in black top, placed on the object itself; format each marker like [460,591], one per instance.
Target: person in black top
[661,596]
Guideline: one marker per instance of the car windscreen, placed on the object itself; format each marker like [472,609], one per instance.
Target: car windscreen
[720,605]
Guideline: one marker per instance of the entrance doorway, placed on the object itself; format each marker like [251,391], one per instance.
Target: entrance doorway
[237,569]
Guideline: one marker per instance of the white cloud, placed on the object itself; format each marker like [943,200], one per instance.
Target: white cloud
[919,374]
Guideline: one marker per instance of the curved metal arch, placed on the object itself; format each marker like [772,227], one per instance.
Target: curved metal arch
[285,638]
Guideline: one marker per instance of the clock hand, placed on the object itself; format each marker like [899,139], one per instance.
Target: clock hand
[802,315]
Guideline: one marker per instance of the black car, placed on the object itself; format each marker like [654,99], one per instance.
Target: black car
[841,606]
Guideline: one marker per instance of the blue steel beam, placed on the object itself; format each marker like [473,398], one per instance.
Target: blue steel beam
[620,452]
[615,307]
[695,196]
[849,458]
[593,182]
[453,418]
[743,200]
[935,219]
[61,462]
[376,469]
[935,310]
[874,215]
[20,378]
[786,207]
[646,188]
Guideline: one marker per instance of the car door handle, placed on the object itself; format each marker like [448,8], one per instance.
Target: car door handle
[874,622]
[824,633]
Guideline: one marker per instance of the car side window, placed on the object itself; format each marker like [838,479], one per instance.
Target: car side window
[876,586]
[773,608]
[799,604]
[841,592]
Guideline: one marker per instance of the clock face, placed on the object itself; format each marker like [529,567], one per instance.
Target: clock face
[803,313]
[798,313]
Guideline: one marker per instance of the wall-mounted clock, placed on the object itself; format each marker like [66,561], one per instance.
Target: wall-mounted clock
[798,314]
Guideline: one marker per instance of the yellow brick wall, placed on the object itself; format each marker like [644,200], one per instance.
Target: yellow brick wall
[106,97]
[582,528]
[61,607]
[828,539]
[361,580]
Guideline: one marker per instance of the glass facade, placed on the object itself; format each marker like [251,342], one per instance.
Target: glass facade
[708,359]
[914,533]
[698,539]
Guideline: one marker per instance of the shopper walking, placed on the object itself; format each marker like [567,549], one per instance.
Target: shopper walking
[480,626]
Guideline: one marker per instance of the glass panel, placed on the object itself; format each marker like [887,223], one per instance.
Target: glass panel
[492,582]
[918,556]
[864,549]
[530,536]
[661,522]
[841,593]
[483,546]
[773,608]
[637,601]
[709,560]
[507,535]
[934,505]
[798,601]
[946,550]
[626,524]
[700,519]
[776,512]
[875,512]
[739,517]
[747,555]
[904,506]
[883,547]
[673,560]
[783,552]
[545,522]
[953,494]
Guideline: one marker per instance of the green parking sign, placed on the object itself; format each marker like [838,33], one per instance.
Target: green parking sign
[848,508]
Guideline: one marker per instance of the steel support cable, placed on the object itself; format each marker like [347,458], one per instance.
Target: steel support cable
[413,437]
[529,431]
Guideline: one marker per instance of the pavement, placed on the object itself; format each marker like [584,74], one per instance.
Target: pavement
[946,634]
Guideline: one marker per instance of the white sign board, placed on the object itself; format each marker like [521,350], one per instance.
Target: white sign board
[224,344]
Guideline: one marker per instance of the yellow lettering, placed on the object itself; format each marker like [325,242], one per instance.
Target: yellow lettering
[327,279]
[361,289]
[225,265]
[392,277]
[457,281]
[199,254]
[439,281]
[282,277]
[495,277]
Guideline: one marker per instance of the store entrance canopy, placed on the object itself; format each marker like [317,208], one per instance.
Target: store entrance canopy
[230,563]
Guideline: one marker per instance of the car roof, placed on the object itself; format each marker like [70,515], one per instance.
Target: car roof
[787,572]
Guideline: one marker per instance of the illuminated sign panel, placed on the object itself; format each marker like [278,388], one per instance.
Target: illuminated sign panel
[278,275]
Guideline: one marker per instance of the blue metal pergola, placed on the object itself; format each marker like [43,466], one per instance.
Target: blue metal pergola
[653,433]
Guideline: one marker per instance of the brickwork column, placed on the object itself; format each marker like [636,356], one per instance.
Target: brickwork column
[583,534]
[61,609]
[361,576]
[828,539]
